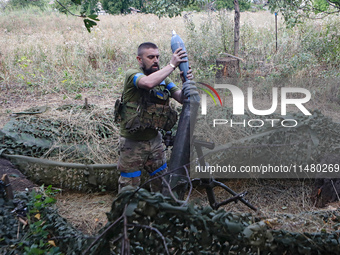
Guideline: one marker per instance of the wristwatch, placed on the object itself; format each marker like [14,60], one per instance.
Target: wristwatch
[174,67]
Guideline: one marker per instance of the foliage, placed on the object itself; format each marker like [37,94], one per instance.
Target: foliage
[160,8]
[229,5]
[38,236]
[27,216]
[65,5]
[209,37]
[294,11]
[88,10]
[41,230]
[122,7]
[169,8]
[87,7]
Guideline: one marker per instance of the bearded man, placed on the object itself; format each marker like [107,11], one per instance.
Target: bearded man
[145,111]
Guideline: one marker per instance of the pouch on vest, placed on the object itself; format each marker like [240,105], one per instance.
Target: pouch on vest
[155,116]
[118,110]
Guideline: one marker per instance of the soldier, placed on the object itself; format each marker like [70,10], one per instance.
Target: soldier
[144,111]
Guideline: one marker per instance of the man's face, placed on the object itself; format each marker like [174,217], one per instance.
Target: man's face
[149,60]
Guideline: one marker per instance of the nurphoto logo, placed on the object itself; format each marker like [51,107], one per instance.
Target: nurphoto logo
[238,105]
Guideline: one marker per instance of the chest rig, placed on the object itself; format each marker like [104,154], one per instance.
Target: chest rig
[151,111]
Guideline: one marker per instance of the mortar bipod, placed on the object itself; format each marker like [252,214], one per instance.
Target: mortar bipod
[209,183]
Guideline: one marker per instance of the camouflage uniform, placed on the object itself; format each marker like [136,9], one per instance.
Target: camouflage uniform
[141,149]
[138,155]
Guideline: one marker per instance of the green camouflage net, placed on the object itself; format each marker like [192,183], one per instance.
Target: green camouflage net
[159,225]
[146,223]
[66,133]
[87,138]
[67,175]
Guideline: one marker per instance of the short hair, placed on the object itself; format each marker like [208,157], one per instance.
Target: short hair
[146,45]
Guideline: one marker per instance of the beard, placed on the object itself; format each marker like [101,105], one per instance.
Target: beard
[152,69]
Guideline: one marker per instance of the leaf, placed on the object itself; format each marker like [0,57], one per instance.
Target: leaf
[51,242]
[37,216]
[77,2]
[94,17]
[49,200]
[89,24]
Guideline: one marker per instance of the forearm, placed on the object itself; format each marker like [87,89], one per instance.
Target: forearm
[154,79]
[178,96]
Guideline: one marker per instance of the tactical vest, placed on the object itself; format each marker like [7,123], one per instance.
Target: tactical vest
[152,111]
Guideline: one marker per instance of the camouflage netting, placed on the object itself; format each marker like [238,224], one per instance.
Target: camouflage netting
[314,137]
[148,223]
[158,225]
[69,132]
[67,175]
[86,137]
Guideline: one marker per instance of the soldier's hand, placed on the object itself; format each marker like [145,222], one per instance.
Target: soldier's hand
[190,76]
[189,89]
[178,56]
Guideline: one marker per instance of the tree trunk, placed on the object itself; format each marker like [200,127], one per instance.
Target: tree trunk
[237,28]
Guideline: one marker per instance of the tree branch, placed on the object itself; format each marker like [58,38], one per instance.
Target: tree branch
[81,16]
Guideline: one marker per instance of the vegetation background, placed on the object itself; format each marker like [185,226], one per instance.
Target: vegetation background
[45,52]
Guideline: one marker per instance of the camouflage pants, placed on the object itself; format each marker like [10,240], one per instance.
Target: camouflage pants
[135,156]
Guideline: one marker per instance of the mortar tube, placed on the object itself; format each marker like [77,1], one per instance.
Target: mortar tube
[181,150]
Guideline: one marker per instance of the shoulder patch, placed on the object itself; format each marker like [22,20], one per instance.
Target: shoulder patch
[135,79]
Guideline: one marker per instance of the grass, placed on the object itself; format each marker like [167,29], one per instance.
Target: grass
[47,52]
[53,53]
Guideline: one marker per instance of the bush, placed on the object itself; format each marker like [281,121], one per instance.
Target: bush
[24,4]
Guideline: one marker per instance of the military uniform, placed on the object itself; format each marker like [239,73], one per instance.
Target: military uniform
[143,113]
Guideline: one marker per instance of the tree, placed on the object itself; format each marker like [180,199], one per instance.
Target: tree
[237,27]
[294,11]
[229,4]
[66,5]
[121,7]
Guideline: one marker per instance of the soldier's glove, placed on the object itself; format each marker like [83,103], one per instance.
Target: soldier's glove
[189,89]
